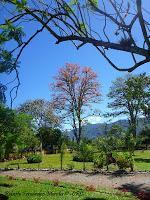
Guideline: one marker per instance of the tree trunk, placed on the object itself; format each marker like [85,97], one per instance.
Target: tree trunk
[80,131]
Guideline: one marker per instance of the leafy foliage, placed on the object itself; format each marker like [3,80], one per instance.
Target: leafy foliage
[99,160]
[145,137]
[124,161]
[49,137]
[7,62]
[9,32]
[34,158]
[84,153]
[127,97]
[16,132]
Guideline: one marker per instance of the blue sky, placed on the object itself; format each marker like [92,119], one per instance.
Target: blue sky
[42,58]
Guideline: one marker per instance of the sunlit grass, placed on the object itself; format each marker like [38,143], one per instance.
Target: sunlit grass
[52,161]
[45,190]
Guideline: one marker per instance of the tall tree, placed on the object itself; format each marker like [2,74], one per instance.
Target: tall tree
[42,113]
[127,97]
[75,90]
[108,26]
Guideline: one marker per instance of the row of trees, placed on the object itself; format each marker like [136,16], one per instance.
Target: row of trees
[31,126]
[77,89]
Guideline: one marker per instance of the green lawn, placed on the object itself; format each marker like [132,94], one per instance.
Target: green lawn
[142,162]
[45,190]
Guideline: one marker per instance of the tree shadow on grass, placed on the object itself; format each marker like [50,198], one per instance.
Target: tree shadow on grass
[119,173]
[5,185]
[3,197]
[138,190]
[147,160]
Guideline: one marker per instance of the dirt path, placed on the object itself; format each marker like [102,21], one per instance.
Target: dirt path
[136,182]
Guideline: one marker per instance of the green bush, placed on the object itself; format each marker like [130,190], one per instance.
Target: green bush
[99,161]
[79,158]
[70,166]
[124,161]
[84,153]
[34,158]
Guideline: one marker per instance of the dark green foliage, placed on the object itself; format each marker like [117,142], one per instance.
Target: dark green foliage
[7,61]
[49,137]
[3,89]
[34,158]
[9,31]
[16,132]
[79,158]
[145,137]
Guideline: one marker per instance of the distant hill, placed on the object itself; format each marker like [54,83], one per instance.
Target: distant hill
[95,130]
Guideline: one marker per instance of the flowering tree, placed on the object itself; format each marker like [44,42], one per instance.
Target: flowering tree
[75,90]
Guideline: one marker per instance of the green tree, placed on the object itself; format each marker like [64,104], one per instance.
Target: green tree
[50,137]
[16,132]
[127,96]
[145,137]
[62,153]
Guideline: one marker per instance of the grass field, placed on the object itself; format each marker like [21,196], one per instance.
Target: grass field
[45,190]
[142,162]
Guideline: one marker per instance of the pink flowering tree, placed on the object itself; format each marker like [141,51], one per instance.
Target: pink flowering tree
[75,90]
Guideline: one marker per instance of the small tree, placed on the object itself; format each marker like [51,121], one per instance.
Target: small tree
[62,153]
[75,90]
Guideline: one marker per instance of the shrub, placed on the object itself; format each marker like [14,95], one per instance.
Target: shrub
[34,158]
[79,158]
[124,161]
[84,153]
[70,166]
[99,161]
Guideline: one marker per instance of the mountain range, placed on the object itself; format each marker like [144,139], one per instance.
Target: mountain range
[95,130]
